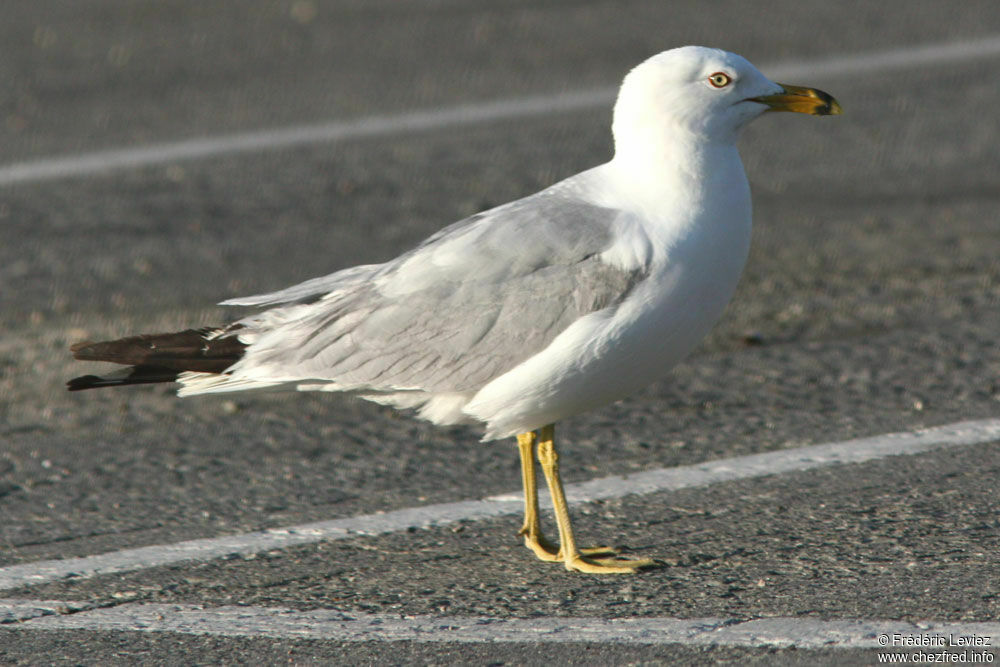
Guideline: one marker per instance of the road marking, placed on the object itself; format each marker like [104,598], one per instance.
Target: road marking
[13,610]
[927,55]
[331,624]
[45,169]
[959,434]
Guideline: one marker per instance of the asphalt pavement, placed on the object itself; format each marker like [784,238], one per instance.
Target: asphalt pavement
[869,306]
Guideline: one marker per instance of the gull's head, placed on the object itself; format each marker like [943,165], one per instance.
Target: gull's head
[699,94]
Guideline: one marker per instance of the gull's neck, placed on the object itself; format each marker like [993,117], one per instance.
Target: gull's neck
[669,145]
[657,166]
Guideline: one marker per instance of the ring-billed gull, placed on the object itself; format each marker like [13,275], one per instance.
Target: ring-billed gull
[533,311]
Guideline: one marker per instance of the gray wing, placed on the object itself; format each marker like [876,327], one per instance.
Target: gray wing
[464,307]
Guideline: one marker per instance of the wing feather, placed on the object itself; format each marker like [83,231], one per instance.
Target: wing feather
[464,307]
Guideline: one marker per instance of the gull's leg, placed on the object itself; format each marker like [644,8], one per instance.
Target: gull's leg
[532,529]
[568,552]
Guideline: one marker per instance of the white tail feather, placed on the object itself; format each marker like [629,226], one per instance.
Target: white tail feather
[193,383]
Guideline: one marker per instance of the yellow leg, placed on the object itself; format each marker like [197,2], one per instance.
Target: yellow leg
[532,529]
[568,552]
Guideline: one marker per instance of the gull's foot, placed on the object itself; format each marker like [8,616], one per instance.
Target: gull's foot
[607,565]
[599,552]
[549,552]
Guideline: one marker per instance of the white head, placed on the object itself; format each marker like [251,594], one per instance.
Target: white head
[701,95]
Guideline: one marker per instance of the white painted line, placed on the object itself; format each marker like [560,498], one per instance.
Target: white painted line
[14,610]
[911,57]
[127,560]
[330,624]
[45,169]
[960,434]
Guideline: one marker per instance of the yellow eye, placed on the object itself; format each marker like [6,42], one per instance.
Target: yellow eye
[720,79]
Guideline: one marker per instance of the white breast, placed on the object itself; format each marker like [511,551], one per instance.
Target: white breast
[605,356]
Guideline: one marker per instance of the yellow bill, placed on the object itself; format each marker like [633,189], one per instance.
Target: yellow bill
[801,100]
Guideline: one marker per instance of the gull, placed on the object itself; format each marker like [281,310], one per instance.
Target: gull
[533,311]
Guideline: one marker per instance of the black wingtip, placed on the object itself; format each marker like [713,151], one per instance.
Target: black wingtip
[86,382]
[133,375]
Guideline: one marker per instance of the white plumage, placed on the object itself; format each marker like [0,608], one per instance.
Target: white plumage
[551,305]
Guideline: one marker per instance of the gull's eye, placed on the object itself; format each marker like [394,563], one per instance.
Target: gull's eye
[720,79]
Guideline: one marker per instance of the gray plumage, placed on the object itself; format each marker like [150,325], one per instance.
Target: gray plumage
[459,310]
